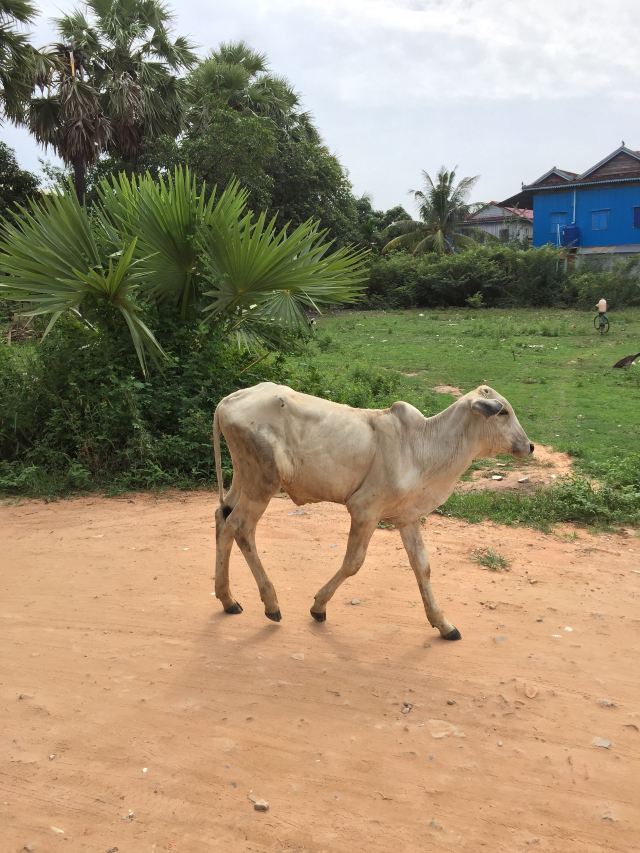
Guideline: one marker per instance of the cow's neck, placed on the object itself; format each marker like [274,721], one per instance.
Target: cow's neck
[450,442]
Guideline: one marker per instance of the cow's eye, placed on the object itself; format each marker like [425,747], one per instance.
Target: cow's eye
[503,413]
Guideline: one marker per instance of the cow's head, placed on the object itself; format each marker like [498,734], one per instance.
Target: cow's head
[498,427]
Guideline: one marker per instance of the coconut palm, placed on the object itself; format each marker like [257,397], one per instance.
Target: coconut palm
[443,209]
[115,80]
[16,56]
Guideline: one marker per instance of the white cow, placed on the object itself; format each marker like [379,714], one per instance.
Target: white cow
[391,464]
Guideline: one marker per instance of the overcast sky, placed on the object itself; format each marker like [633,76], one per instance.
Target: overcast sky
[502,89]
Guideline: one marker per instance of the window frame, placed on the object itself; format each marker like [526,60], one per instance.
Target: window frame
[600,211]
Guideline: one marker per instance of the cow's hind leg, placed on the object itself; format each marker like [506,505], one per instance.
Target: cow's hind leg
[359,537]
[224,543]
[242,521]
[419,559]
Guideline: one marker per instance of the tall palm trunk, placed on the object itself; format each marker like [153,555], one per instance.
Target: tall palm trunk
[80,179]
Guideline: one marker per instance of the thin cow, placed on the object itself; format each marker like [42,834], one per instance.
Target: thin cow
[382,464]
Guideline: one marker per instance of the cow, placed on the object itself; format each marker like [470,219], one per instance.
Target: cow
[393,465]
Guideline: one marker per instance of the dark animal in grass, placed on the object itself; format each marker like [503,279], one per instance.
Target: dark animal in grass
[627,361]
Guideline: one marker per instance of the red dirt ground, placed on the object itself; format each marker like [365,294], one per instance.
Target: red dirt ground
[135,715]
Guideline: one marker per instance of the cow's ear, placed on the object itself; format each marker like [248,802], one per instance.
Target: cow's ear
[487,407]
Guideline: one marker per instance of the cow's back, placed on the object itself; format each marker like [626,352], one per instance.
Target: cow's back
[321,450]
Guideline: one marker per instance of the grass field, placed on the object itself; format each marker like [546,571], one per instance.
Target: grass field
[552,365]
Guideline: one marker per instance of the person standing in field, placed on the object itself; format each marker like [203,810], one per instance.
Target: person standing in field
[602,307]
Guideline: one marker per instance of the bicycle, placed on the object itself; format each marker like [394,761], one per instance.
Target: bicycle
[601,323]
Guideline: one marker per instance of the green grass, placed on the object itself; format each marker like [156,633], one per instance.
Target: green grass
[552,365]
[490,559]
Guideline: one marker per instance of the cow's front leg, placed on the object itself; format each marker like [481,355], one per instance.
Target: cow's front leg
[359,537]
[419,559]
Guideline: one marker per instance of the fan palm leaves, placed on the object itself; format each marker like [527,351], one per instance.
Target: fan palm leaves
[443,209]
[238,77]
[147,242]
[16,56]
[113,79]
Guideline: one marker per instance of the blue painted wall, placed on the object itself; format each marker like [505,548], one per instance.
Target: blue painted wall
[611,207]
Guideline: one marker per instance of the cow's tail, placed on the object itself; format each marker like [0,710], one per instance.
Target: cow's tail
[216,454]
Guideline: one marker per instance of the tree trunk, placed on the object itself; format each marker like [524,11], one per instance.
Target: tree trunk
[80,180]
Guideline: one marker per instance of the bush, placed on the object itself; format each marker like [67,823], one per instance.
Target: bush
[491,275]
[75,414]
[485,275]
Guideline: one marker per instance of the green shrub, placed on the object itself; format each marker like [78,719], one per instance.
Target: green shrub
[74,414]
[484,275]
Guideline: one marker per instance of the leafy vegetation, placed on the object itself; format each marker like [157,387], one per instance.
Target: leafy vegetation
[16,184]
[150,243]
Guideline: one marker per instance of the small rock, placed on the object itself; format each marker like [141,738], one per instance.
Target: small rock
[603,743]
[29,848]
[499,639]
[499,743]
[57,830]
[433,824]
[608,816]
[261,805]
[607,703]
[523,480]
[532,581]
[113,850]
[406,707]
[497,477]
[451,701]
[568,629]
[130,815]
[52,756]
[333,546]
[530,691]
[355,601]
[298,656]
[540,619]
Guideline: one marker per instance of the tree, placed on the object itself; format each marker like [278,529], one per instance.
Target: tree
[238,77]
[16,184]
[16,56]
[443,208]
[114,81]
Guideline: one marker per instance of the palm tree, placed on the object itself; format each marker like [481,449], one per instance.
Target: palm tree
[114,81]
[238,77]
[172,242]
[443,208]
[16,56]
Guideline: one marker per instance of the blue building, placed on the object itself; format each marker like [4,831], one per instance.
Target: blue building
[593,213]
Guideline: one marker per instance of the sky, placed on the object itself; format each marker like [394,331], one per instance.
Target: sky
[501,89]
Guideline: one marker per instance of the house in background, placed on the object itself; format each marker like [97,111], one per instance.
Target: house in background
[507,224]
[595,213]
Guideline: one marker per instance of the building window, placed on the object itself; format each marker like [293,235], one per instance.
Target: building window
[558,219]
[599,220]
[636,217]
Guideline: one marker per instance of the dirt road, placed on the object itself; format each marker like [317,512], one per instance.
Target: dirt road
[135,715]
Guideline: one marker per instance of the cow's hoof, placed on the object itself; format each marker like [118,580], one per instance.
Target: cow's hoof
[319,617]
[276,616]
[452,635]
[235,608]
